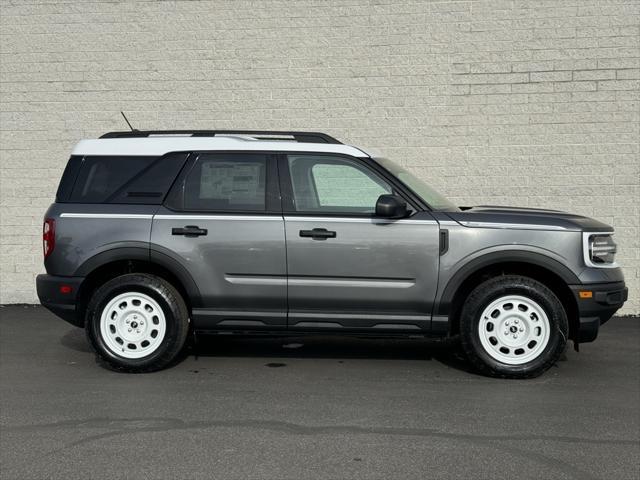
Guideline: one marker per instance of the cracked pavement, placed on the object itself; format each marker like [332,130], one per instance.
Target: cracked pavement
[311,408]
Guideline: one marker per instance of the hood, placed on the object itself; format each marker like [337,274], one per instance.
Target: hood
[486,216]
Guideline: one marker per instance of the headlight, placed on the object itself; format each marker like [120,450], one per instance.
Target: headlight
[599,249]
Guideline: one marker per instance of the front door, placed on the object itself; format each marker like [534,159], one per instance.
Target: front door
[223,224]
[348,269]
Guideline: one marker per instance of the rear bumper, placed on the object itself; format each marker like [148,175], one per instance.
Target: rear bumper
[598,307]
[61,301]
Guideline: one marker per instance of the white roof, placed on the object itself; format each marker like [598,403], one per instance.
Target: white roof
[161,144]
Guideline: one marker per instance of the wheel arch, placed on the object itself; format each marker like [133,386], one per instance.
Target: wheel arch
[546,270]
[112,263]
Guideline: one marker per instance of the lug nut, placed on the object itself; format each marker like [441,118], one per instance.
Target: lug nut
[515,336]
[129,329]
[516,321]
[521,329]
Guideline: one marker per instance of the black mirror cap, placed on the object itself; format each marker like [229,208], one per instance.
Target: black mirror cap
[391,206]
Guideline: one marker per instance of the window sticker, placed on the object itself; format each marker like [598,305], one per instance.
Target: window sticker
[231,180]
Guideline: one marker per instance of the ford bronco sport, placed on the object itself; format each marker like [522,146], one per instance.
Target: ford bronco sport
[155,234]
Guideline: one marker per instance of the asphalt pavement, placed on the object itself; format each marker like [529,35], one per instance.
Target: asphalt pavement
[312,408]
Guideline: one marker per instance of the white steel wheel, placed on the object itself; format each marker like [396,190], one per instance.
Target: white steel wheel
[132,325]
[514,329]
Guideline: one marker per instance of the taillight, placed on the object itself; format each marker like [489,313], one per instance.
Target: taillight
[48,236]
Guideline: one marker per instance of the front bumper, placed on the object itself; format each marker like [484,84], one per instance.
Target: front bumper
[596,304]
[59,294]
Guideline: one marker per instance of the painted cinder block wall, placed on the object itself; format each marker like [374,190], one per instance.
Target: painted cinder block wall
[519,102]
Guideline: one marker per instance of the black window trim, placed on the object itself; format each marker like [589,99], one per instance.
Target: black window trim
[278,192]
[288,205]
[174,200]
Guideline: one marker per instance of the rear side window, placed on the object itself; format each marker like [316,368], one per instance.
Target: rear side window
[227,182]
[118,179]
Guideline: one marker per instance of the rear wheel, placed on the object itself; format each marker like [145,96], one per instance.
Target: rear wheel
[513,327]
[137,323]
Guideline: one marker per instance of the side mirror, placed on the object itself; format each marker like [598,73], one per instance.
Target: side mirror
[390,206]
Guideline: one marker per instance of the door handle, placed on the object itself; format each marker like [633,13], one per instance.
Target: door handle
[189,231]
[318,233]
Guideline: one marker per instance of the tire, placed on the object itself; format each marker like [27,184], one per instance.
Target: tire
[513,327]
[137,323]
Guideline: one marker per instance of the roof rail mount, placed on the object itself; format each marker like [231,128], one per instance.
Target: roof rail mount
[301,137]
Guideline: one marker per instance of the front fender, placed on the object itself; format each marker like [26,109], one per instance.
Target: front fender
[486,259]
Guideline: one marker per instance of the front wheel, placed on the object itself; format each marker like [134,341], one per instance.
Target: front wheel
[137,323]
[513,327]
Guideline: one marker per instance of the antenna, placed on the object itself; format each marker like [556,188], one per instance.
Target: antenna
[125,119]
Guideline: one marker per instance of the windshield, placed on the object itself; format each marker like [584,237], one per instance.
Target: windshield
[434,199]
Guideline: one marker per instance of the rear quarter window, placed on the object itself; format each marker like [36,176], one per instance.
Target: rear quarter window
[65,187]
[119,179]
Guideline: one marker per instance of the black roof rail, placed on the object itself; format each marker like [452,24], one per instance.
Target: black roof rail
[302,137]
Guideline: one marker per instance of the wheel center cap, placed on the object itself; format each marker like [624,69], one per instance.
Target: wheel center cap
[134,324]
[513,329]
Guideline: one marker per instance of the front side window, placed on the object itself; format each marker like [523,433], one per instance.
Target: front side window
[226,182]
[332,184]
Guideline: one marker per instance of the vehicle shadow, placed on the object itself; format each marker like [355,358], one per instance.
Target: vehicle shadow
[75,339]
[330,346]
[321,347]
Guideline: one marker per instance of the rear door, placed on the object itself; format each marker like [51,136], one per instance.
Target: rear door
[347,268]
[222,222]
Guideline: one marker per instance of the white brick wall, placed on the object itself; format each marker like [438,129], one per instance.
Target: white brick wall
[521,102]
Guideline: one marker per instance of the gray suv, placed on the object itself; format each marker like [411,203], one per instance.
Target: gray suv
[156,234]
